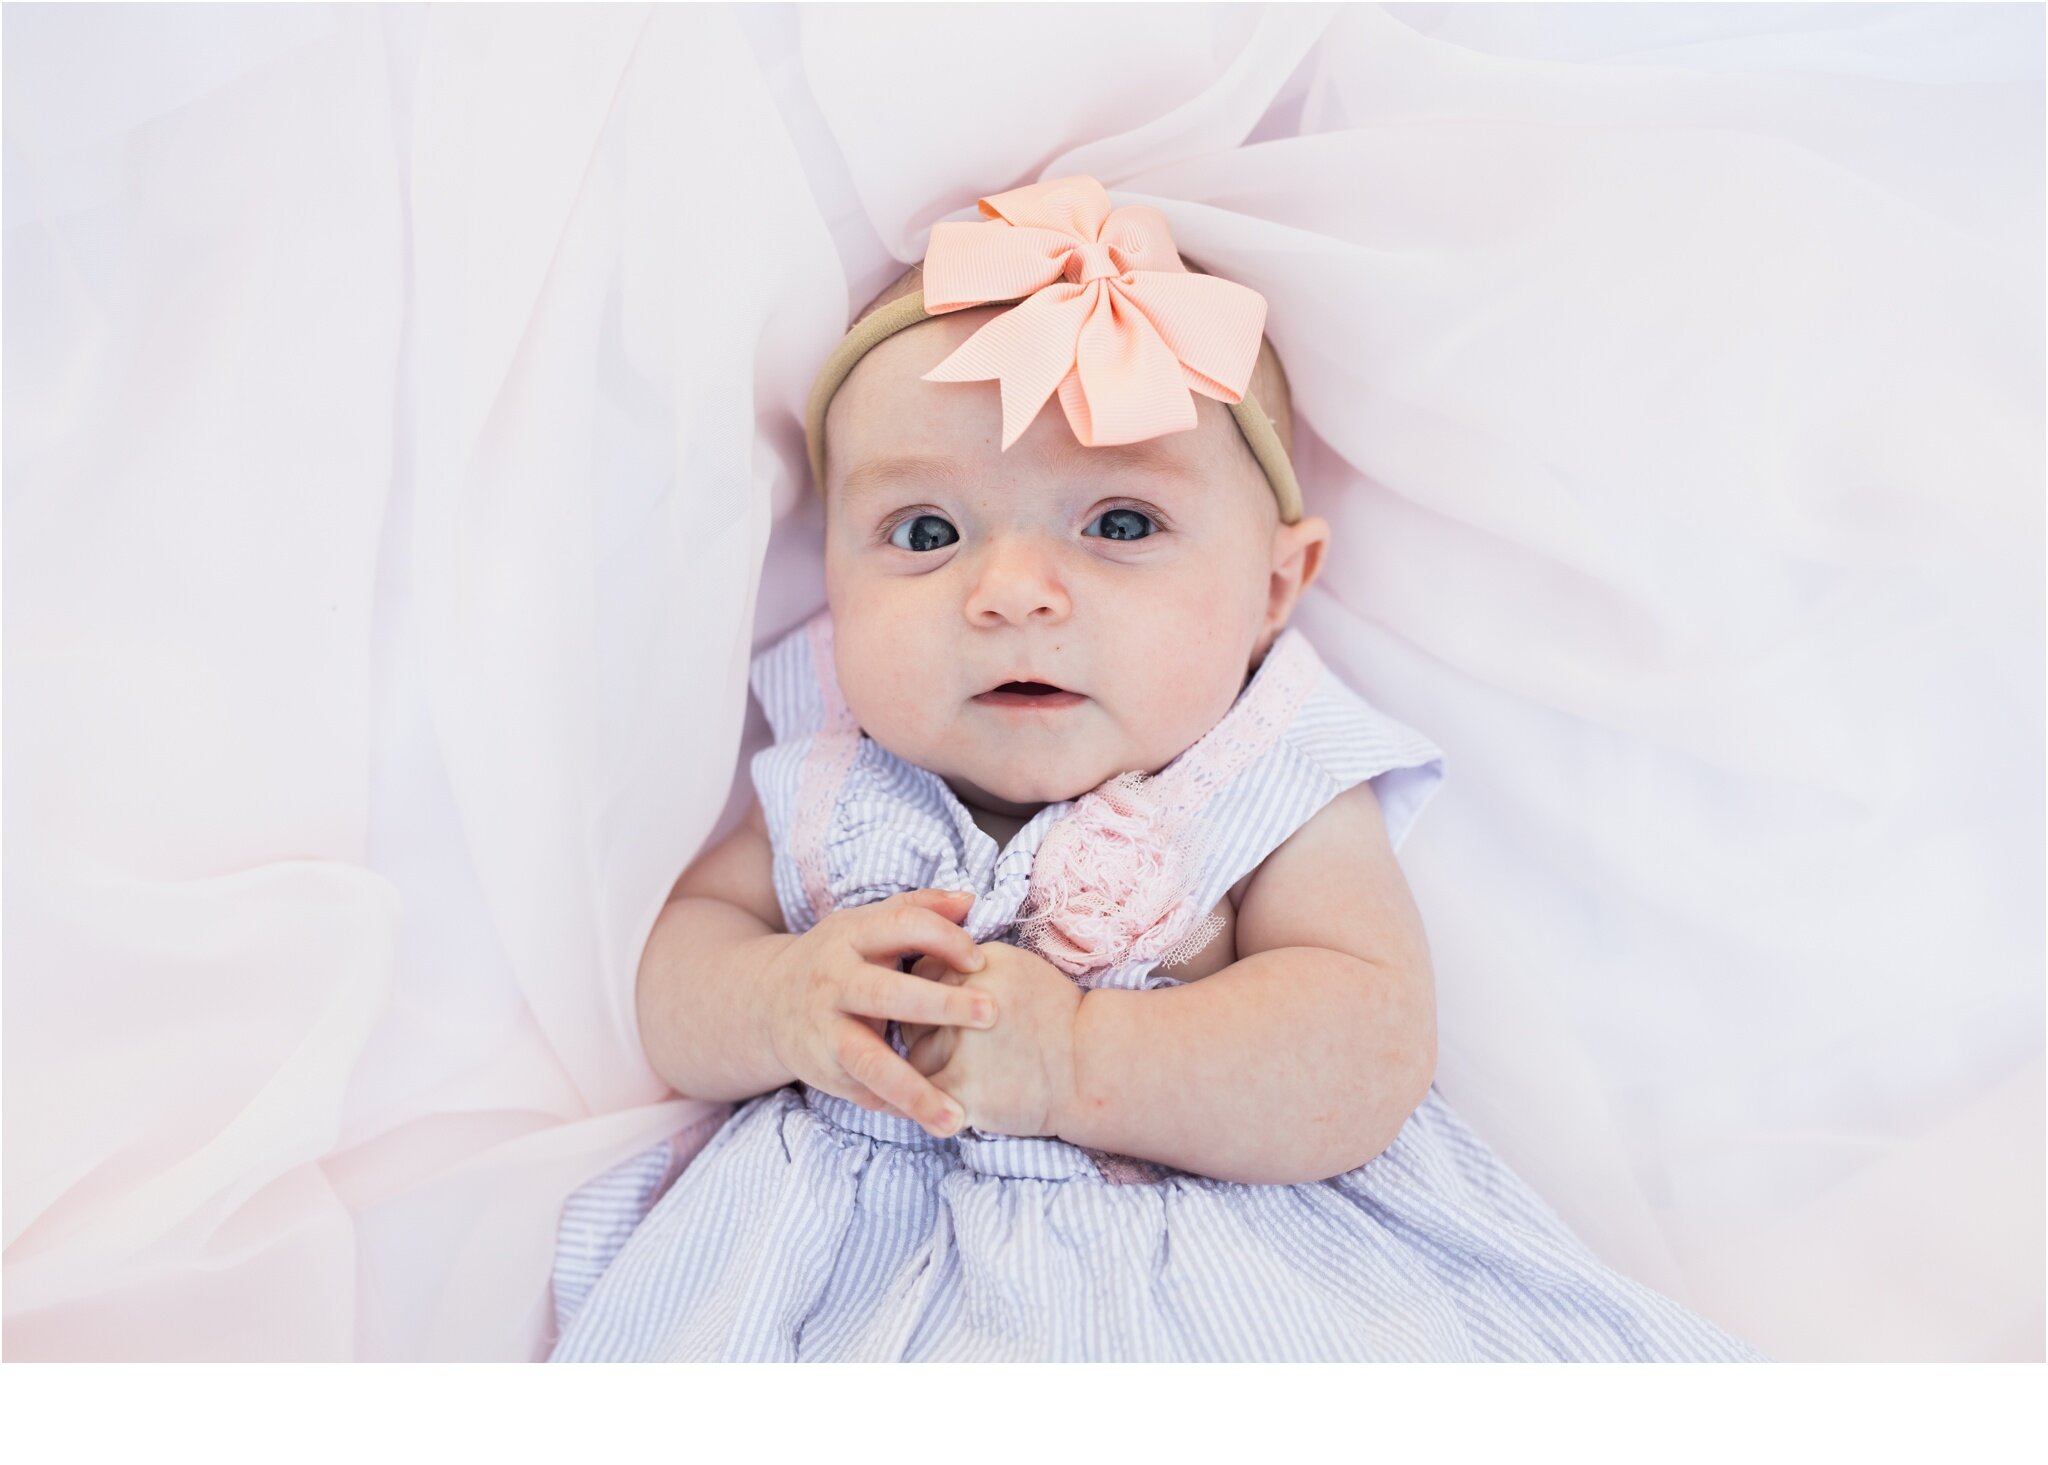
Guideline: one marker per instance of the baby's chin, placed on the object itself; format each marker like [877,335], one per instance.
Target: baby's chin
[1006,790]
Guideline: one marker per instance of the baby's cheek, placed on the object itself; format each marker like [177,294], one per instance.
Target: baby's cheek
[1188,676]
[888,680]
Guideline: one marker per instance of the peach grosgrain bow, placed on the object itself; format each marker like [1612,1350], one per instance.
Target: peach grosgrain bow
[1109,315]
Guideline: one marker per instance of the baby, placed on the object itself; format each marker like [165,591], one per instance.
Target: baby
[1068,924]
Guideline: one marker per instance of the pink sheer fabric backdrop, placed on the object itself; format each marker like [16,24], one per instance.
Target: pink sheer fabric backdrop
[403,456]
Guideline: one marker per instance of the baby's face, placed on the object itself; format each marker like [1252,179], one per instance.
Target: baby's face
[1139,580]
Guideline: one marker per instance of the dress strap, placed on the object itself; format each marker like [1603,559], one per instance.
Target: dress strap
[1348,741]
[795,683]
[800,779]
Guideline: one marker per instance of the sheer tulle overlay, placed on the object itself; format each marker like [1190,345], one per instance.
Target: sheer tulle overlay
[403,457]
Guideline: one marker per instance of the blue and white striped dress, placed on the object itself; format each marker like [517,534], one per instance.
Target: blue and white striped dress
[808,1228]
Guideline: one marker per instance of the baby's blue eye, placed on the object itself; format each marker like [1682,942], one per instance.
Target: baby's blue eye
[923,531]
[1123,524]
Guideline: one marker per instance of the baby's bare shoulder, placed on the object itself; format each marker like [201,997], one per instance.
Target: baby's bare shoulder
[739,870]
[1333,883]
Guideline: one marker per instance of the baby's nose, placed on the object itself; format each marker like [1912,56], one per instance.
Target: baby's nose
[1018,584]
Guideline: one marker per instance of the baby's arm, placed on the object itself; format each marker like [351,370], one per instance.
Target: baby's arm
[700,1022]
[1300,1060]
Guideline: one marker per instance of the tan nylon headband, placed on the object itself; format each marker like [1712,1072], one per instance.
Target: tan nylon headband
[909,309]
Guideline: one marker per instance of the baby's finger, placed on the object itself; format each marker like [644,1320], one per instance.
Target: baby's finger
[952,904]
[948,905]
[932,1051]
[874,1105]
[931,968]
[889,932]
[874,991]
[868,1061]
[840,1086]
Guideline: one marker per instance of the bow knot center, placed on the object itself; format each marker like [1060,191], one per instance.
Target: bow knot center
[1092,260]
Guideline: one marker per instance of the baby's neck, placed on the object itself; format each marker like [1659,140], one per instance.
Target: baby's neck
[999,823]
[1002,828]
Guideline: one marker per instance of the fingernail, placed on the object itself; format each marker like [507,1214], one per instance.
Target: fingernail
[954,1119]
[985,1012]
[976,961]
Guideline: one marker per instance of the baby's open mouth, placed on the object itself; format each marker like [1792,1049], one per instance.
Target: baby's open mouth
[1038,696]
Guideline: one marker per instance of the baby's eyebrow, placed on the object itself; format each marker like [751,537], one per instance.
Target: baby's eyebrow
[878,473]
[1151,453]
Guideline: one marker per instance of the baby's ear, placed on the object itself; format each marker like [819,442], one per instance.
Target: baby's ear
[1297,560]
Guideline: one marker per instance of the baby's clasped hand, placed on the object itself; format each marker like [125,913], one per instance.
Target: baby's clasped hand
[834,988]
[1016,1077]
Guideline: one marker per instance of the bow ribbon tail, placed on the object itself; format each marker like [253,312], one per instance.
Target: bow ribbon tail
[1211,325]
[1028,350]
[1126,385]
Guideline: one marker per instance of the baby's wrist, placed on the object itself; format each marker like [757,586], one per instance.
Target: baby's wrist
[768,999]
[1086,1097]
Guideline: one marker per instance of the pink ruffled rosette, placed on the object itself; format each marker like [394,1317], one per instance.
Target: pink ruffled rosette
[1114,884]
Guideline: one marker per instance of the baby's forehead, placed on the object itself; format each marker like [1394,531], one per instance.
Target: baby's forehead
[1196,461]
[898,360]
